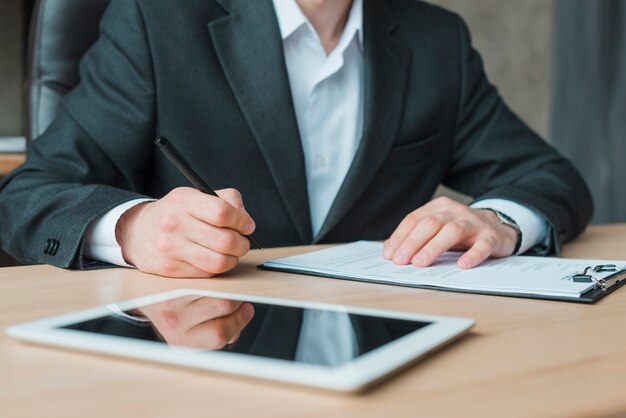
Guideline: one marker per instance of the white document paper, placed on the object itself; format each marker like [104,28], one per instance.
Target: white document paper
[363,260]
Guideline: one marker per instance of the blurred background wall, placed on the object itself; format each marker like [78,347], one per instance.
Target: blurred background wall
[589,98]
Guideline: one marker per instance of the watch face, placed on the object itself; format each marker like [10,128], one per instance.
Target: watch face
[508,221]
[505,219]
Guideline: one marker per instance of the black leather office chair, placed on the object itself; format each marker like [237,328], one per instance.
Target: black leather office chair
[61,31]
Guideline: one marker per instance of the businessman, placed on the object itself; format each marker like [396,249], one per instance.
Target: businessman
[333,120]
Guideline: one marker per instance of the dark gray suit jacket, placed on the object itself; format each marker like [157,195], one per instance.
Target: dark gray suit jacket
[210,75]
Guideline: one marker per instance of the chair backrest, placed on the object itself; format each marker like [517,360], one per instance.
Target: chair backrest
[61,32]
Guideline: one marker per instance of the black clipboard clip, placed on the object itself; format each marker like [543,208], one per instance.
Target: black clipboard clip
[605,282]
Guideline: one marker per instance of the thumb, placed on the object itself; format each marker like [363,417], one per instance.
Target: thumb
[233,197]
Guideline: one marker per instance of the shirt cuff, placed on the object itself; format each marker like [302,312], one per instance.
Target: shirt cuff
[100,242]
[534,226]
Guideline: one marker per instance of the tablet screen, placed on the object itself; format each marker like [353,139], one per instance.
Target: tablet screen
[321,337]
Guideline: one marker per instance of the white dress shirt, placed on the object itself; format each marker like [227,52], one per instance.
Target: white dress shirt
[327,95]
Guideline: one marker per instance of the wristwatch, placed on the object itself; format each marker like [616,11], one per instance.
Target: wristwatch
[508,221]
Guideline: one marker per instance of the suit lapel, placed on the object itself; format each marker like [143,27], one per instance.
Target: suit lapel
[386,62]
[249,46]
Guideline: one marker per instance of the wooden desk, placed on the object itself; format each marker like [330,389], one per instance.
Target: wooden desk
[8,162]
[524,358]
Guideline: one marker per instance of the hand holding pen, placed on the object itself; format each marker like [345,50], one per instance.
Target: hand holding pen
[183,166]
[187,233]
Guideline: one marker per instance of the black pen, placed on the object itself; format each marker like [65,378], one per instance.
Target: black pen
[183,166]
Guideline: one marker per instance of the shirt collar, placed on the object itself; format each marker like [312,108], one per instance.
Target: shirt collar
[291,18]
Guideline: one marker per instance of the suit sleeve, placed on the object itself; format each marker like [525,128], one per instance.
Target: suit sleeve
[92,157]
[498,156]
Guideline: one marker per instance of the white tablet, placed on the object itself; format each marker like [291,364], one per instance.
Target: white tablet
[325,346]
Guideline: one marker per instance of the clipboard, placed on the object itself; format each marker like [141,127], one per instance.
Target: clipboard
[591,296]
[602,280]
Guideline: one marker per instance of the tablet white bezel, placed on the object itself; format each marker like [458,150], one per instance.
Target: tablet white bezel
[350,377]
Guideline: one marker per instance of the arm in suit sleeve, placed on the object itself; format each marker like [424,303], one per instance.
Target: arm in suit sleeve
[93,156]
[498,156]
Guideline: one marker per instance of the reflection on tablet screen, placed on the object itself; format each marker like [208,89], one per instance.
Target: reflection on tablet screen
[321,337]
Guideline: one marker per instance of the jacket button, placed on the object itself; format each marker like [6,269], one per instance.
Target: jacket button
[51,247]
